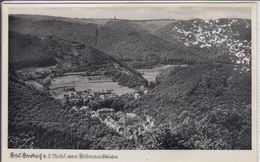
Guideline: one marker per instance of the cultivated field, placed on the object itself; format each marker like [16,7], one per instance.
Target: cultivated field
[82,83]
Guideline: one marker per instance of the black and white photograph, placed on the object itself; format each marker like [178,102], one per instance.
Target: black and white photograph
[130,77]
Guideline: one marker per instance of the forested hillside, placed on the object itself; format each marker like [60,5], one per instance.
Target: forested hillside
[117,38]
[31,51]
[209,106]
[28,51]
[38,121]
[128,41]
[74,31]
[214,79]
[127,44]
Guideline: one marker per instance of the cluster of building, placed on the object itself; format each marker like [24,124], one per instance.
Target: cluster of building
[80,98]
[129,125]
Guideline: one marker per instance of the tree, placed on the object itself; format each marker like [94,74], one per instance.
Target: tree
[118,105]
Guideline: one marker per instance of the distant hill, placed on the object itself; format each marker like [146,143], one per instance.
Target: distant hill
[83,57]
[122,39]
[146,43]
[125,43]
[43,27]
[65,19]
[30,51]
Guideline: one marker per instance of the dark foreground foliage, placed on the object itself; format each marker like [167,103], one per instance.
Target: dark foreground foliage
[39,121]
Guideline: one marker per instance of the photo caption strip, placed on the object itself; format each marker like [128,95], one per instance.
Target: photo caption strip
[60,156]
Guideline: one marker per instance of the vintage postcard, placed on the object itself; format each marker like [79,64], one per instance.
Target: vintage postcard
[129,81]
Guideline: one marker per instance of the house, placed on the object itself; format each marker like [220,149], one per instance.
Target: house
[148,118]
[145,91]
[113,124]
[105,91]
[141,88]
[136,95]
[119,114]
[110,122]
[103,97]
[89,97]
[152,123]
[113,95]
[94,114]
[130,115]
[106,112]
[75,108]
[106,121]
[84,108]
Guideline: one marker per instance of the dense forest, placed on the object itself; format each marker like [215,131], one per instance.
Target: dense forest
[202,102]
[209,100]
[36,118]
[28,52]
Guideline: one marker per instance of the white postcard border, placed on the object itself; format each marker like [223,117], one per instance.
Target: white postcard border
[135,155]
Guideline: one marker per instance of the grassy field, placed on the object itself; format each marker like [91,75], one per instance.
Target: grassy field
[151,74]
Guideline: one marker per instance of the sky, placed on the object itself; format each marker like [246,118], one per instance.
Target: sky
[138,12]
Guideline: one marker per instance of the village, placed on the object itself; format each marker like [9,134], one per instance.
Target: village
[129,125]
